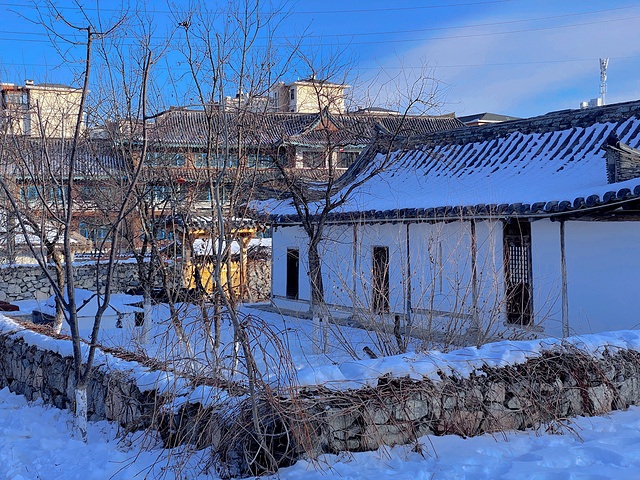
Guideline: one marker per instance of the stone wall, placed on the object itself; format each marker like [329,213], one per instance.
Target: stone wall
[544,390]
[21,282]
[42,374]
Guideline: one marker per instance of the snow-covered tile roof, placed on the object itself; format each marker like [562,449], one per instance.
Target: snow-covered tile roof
[543,164]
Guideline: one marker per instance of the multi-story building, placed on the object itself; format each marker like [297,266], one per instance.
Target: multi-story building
[308,96]
[40,110]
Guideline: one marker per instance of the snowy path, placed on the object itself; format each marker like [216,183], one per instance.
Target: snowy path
[35,444]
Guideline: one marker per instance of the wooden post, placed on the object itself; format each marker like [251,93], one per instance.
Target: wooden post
[565,297]
[244,246]
[355,268]
[474,278]
[408,282]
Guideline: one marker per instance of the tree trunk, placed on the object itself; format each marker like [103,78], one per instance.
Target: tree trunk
[80,417]
[59,320]
[319,311]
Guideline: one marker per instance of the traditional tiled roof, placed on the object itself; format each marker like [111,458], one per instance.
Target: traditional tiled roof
[190,129]
[547,165]
[32,158]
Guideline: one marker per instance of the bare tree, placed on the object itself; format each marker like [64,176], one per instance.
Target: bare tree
[73,157]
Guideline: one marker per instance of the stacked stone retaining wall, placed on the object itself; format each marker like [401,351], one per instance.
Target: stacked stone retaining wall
[543,391]
[38,373]
[259,280]
[22,282]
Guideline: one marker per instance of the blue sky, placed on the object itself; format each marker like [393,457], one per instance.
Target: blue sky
[516,57]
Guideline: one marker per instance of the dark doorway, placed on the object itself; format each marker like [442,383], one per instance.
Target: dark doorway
[380,279]
[293,272]
[518,278]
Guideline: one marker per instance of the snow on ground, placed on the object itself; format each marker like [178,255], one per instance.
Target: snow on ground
[36,443]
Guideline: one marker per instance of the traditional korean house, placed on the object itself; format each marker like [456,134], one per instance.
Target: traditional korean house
[528,226]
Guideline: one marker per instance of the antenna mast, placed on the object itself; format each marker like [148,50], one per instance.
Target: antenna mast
[604,63]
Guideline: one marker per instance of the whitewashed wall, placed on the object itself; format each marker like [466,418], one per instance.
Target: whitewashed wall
[283,238]
[490,261]
[603,265]
[382,235]
[338,274]
[603,269]
[441,269]
[441,266]
[547,284]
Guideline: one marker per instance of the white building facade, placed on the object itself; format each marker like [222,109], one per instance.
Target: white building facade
[517,227]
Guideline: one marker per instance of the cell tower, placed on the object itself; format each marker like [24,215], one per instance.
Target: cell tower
[604,63]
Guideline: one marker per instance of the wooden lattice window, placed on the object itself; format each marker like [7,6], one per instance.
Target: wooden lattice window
[518,277]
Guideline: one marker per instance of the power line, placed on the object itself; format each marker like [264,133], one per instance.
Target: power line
[437,65]
[413,40]
[286,13]
[489,34]
[394,32]
[476,25]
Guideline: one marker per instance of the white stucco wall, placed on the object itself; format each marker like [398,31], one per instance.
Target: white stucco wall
[490,259]
[382,235]
[441,266]
[603,267]
[284,238]
[547,285]
[603,261]
[441,269]
[337,266]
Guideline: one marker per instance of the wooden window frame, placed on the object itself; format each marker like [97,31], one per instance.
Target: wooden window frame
[518,272]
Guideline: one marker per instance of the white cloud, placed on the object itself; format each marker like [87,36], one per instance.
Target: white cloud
[525,88]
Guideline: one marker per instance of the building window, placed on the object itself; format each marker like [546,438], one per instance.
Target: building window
[52,195]
[165,159]
[380,273]
[29,194]
[347,159]
[518,278]
[95,233]
[293,272]
[292,94]
[16,99]
[259,161]
[313,159]
[164,193]
[203,194]
[200,160]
